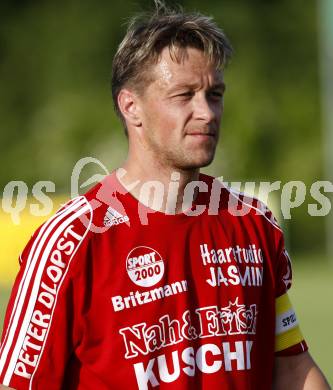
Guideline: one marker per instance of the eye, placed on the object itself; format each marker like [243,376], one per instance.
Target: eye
[216,95]
[186,94]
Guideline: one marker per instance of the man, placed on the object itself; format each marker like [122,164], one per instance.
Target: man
[154,279]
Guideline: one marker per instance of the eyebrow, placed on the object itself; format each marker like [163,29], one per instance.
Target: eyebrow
[218,85]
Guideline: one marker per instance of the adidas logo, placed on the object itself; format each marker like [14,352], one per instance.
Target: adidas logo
[112,217]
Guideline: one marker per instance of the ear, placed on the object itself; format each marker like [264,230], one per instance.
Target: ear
[128,105]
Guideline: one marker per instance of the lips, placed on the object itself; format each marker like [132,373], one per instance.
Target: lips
[204,132]
[212,134]
[200,133]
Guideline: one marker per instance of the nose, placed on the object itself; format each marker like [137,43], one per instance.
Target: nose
[203,109]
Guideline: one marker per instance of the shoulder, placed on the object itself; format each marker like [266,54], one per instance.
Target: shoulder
[64,231]
[254,207]
[71,225]
[88,214]
[238,204]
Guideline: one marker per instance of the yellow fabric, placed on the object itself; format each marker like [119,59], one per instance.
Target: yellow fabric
[282,304]
[290,337]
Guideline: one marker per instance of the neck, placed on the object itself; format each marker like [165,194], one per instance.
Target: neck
[157,186]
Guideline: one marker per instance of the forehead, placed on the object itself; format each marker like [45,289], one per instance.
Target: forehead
[193,67]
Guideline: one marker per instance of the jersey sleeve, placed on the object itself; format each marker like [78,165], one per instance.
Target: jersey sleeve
[288,336]
[40,328]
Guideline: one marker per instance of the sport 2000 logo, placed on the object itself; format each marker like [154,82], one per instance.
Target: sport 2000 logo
[144,266]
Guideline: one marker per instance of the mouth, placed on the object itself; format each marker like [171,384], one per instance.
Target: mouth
[202,135]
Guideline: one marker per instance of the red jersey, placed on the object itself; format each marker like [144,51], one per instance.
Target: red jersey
[113,295]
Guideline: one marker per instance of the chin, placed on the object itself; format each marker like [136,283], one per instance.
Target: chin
[204,159]
[197,163]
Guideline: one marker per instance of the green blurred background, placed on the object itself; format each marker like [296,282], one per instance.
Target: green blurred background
[56,107]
